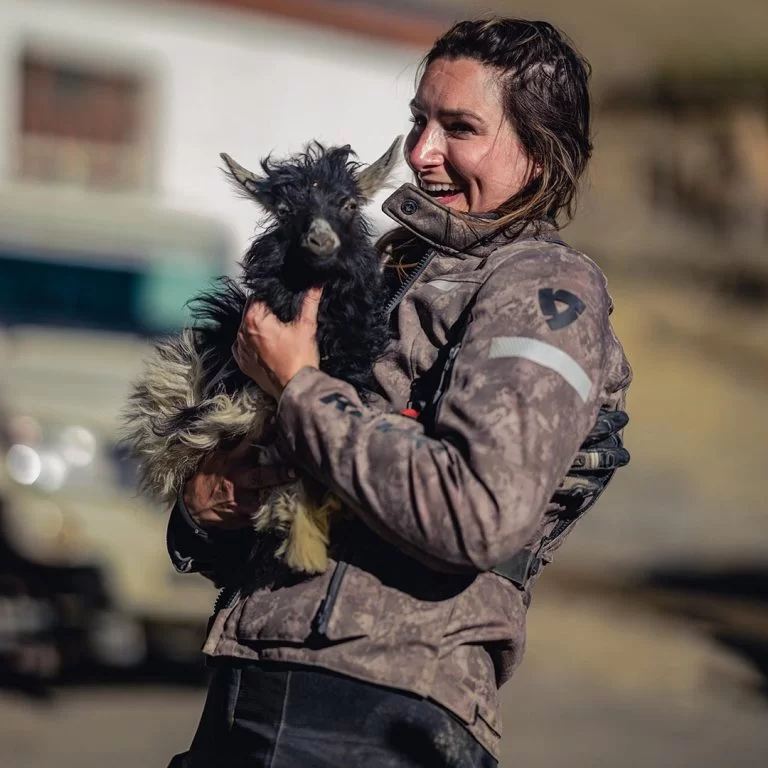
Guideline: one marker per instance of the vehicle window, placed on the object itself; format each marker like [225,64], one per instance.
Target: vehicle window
[145,298]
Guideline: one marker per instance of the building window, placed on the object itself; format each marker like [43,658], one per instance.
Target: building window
[81,126]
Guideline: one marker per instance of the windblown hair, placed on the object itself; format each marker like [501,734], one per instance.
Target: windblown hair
[545,93]
[193,399]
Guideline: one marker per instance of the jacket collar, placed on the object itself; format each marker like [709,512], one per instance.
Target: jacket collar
[445,229]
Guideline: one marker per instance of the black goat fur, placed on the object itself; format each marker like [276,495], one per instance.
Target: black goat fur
[319,185]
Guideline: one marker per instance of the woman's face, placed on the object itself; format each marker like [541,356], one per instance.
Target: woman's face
[462,148]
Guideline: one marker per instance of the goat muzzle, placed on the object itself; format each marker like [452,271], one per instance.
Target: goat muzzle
[321,239]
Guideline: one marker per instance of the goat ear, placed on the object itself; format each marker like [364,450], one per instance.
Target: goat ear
[247,181]
[371,179]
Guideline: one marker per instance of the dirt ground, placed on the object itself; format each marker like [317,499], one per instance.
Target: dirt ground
[603,685]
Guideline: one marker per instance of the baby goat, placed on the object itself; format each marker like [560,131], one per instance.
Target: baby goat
[193,399]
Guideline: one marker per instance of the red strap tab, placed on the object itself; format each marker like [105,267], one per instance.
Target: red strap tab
[410,413]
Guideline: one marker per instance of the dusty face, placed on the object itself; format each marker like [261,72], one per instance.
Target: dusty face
[462,148]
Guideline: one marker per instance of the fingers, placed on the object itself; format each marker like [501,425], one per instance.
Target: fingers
[576,486]
[600,459]
[310,306]
[255,316]
[579,489]
[607,424]
[254,313]
[236,354]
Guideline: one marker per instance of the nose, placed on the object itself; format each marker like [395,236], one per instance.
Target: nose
[424,149]
[320,238]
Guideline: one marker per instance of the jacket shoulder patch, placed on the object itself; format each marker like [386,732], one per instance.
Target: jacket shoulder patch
[561,307]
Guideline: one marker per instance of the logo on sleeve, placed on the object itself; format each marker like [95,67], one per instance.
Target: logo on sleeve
[561,307]
[342,403]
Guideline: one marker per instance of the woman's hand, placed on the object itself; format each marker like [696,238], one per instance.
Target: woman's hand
[600,455]
[222,493]
[272,353]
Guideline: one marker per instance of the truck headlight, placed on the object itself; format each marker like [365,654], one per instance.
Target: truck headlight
[54,459]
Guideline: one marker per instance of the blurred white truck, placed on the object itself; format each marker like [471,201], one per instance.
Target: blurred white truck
[85,283]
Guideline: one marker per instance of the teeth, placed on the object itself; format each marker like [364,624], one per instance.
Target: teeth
[438,187]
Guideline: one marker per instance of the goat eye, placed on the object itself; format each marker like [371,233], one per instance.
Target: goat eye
[282,209]
[350,205]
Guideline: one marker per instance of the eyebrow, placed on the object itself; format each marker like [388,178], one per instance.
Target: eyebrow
[454,113]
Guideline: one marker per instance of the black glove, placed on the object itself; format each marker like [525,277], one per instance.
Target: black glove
[601,454]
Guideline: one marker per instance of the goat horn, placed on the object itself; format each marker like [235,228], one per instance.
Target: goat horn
[371,179]
[244,177]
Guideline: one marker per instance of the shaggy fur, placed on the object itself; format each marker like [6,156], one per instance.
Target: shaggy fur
[193,399]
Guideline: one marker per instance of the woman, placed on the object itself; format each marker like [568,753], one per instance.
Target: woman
[505,353]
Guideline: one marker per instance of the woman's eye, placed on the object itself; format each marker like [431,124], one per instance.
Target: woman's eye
[460,128]
[418,120]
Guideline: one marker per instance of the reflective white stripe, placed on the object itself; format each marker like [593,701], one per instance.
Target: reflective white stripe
[544,354]
[443,285]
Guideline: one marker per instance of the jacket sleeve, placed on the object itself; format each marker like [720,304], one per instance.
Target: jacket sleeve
[523,393]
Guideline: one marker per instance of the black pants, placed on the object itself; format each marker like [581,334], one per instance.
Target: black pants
[286,716]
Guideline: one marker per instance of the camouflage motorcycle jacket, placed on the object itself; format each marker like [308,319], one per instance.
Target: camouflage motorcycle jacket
[416,597]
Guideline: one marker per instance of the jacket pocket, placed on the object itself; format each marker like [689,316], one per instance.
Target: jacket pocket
[291,613]
[475,702]
[351,606]
[389,597]
[283,614]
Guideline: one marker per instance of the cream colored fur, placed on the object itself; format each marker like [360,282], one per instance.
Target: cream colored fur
[177,377]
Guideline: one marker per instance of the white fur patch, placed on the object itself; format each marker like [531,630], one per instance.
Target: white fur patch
[178,377]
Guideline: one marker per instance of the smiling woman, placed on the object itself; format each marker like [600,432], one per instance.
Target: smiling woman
[501,120]
[495,425]
[463,150]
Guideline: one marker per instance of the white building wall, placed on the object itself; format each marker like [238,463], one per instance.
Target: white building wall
[222,81]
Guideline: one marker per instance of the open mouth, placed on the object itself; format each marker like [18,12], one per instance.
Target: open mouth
[444,193]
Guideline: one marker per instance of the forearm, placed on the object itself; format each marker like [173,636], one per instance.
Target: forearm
[508,422]
[418,492]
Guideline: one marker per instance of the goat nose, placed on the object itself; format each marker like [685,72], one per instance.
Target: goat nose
[321,239]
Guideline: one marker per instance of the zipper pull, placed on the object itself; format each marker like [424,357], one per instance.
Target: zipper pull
[323,615]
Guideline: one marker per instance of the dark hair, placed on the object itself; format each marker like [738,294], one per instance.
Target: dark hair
[546,99]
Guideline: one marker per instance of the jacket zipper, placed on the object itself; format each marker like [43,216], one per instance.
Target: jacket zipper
[323,616]
[229,595]
[445,376]
[226,598]
[560,527]
[415,275]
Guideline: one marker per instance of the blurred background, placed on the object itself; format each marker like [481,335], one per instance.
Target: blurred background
[648,641]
